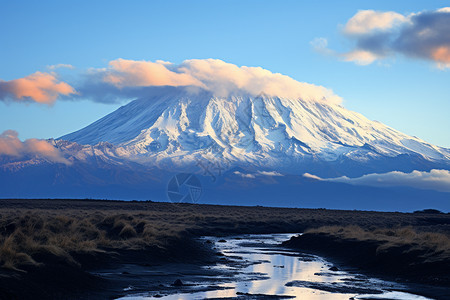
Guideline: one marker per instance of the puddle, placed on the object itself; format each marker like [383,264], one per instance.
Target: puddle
[256,267]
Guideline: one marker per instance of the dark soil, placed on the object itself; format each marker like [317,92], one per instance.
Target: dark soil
[399,264]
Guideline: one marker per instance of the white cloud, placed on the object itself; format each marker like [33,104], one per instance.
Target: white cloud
[366,21]
[360,57]
[244,175]
[438,180]
[270,173]
[259,173]
[311,176]
[321,45]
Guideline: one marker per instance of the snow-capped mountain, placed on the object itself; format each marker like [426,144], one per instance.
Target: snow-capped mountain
[176,127]
[245,150]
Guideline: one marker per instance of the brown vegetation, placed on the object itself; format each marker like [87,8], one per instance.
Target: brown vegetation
[41,238]
[30,229]
[433,246]
[405,252]
[40,233]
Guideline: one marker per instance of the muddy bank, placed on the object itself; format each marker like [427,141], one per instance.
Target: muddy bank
[424,268]
[57,278]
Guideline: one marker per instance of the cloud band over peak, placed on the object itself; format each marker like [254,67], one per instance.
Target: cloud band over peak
[214,75]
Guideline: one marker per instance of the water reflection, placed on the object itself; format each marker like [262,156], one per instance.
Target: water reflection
[265,269]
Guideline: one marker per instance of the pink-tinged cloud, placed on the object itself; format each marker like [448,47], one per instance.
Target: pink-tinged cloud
[214,75]
[379,35]
[442,56]
[11,145]
[125,73]
[38,87]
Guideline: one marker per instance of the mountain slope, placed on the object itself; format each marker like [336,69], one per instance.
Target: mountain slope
[176,127]
[244,150]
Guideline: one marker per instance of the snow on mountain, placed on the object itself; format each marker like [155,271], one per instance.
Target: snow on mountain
[244,149]
[179,127]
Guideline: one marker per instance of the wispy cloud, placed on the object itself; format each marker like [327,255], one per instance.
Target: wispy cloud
[377,35]
[269,173]
[259,173]
[245,175]
[438,180]
[39,87]
[311,176]
[60,66]
[11,145]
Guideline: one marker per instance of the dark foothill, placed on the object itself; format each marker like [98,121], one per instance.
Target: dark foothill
[178,282]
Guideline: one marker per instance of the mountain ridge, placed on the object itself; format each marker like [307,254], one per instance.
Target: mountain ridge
[179,127]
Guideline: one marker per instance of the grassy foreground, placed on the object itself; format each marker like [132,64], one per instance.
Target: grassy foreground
[44,240]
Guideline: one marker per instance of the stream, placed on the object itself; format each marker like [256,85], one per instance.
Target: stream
[256,267]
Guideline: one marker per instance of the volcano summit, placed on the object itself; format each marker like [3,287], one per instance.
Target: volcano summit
[175,128]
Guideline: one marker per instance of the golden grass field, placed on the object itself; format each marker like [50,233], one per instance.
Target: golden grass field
[83,234]
[64,227]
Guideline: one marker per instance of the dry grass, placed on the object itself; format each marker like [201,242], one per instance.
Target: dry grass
[433,246]
[31,230]
[29,234]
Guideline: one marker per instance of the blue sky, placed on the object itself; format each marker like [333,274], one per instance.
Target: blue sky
[411,95]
